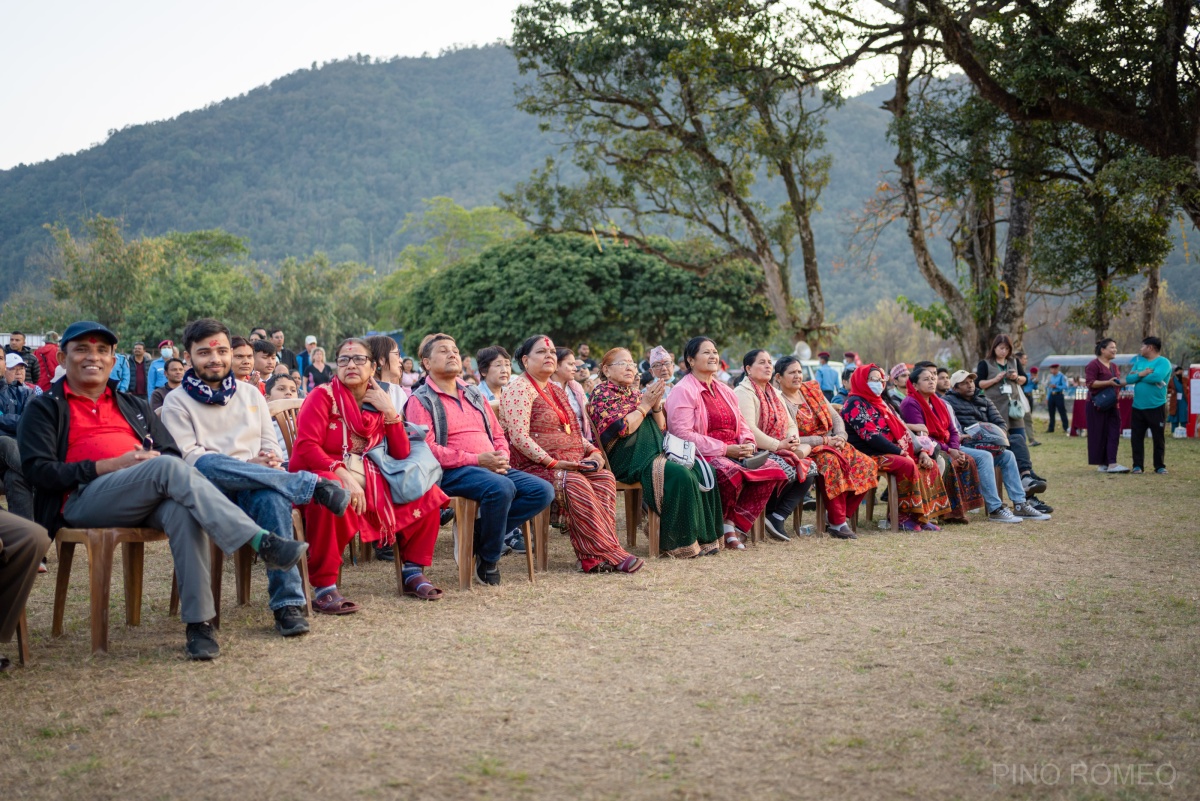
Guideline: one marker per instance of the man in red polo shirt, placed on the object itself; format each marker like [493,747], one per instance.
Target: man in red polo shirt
[98,457]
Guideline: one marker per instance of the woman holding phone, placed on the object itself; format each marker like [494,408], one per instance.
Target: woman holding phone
[546,442]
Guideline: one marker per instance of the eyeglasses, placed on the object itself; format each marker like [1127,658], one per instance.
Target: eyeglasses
[622,364]
[359,361]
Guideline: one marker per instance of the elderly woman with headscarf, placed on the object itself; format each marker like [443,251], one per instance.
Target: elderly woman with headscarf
[847,475]
[774,430]
[923,406]
[630,424]
[546,442]
[877,431]
[704,411]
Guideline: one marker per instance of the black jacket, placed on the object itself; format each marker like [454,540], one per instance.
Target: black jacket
[42,438]
[32,371]
[974,410]
[14,398]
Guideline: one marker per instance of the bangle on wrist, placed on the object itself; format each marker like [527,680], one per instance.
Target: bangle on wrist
[553,464]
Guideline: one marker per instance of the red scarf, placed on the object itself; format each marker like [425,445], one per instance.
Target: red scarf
[368,426]
[937,418]
[859,389]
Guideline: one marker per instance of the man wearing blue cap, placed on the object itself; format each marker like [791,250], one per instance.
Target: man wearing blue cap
[99,457]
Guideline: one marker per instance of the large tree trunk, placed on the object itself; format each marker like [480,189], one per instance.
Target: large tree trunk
[954,299]
[1100,302]
[1014,274]
[778,294]
[1150,302]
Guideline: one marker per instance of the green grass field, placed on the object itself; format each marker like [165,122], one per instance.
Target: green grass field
[1051,660]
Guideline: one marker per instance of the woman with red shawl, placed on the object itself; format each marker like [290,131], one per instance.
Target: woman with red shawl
[924,407]
[338,423]
[877,431]
[847,475]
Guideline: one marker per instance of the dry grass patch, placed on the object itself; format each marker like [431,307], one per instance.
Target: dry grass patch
[895,666]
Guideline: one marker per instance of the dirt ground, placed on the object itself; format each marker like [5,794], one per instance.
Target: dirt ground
[1052,660]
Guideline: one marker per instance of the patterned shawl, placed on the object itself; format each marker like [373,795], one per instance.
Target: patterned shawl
[611,404]
[202,392]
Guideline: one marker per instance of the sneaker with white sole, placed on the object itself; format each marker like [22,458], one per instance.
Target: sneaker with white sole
[1002,515]
[1120,468]
[1026,511]
[1032,485]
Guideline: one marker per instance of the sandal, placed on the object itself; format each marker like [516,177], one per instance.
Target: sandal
[630,564]
[332,603]
[734,543]
[421,588]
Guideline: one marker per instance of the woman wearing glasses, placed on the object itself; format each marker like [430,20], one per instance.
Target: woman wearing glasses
[629,424]
[338,423]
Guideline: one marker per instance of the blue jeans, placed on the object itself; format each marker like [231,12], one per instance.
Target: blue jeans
[986,463]
[266,495]
[505,502]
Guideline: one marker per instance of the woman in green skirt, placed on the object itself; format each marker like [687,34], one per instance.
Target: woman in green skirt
[629,426]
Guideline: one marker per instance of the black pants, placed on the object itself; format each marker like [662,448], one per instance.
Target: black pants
[1152,420]
[783,504]
[1057,403]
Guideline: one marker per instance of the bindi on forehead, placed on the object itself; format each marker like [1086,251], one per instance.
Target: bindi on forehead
[212,343]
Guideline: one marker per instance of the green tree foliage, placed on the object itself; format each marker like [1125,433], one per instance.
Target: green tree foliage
[566,287]
[104,272]
[679,115]
[445,234]
[315,296]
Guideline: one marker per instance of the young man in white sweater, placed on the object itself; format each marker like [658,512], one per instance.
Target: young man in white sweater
[223,429]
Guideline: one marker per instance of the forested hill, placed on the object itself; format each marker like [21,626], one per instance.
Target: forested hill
[332,158]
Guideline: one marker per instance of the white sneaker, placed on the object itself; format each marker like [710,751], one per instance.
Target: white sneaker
[1025,511]
[1102,468]
[1118,469]
[1002,515]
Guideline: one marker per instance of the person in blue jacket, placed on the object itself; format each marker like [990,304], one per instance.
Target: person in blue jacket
[120,372]
[156,376]
[1148,375]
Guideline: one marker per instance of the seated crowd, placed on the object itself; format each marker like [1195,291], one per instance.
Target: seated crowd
[187,444]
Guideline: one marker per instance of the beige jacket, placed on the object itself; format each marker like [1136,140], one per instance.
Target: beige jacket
[750,408]
[240,429]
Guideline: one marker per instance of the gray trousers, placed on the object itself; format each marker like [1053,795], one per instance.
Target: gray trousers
[22,546]
[165,493]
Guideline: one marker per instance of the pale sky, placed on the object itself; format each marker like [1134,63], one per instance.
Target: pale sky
[72,70]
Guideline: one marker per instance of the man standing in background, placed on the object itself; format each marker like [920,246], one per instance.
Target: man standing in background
[1056,398]
[1149,373]
[16,344]
[284,356]
[827,377]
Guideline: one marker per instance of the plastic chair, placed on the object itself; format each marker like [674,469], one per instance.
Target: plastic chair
[893,502]
[101,543]
[465,513]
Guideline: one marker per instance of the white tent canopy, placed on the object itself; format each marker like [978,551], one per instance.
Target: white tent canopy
[1078,360]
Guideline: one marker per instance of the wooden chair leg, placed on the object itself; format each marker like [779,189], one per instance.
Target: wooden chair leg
[528,531]
[132,561]
[66,554]
[999,485]
[217,571]
[541,538]
[633,513]
[464,522]
[653,524]
[174,608]
[893,503]
[100,558]
[243,562]
[298,530]
[23,639]
[758,532]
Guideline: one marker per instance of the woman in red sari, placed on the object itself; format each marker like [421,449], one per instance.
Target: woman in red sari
[546,442]
[847,475]
[339,421]
[877,431]
[702,410]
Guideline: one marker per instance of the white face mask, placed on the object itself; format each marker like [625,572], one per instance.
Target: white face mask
[876,387]
[167,353]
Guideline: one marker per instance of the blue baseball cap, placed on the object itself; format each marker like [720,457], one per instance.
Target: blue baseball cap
[84,327]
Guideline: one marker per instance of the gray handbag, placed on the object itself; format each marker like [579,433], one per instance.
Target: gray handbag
[409,478]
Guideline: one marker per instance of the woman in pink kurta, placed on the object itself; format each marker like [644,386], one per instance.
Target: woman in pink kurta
[546,442]
[333,424]
[702,410]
